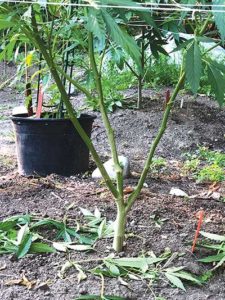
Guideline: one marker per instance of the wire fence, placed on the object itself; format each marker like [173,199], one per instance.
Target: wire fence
[147,6]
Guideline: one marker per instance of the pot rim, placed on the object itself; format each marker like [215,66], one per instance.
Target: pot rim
[25,118]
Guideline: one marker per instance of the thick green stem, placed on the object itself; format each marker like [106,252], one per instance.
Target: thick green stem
[105,119]
[120,226]
[155,143]
[70,109]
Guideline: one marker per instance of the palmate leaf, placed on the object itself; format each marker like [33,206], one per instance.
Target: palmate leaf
[122,38]
[219,17]
[193,66]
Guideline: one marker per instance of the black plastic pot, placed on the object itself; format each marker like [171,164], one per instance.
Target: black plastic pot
[46,146]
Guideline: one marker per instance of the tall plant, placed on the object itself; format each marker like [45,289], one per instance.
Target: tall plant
[99,26]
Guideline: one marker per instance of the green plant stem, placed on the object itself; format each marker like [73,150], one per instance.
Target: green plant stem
[105,119]
[211,48]
[155,143]
[120,222]
[119,228]
[131,69]
[204,27]
[40,45]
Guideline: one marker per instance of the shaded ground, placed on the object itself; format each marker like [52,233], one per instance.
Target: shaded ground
[199,121]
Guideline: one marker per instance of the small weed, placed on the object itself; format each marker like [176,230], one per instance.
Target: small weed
[157,164]
[213,173]
[7,161]
[191,165]
[205,165]
[113,87]
[215,157]
[162,73]
[158,221]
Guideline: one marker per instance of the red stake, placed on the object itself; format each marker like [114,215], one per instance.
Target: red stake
[200,221]
[40,102]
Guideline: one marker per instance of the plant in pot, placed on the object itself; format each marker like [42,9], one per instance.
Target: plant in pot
[99,27]
[46,141]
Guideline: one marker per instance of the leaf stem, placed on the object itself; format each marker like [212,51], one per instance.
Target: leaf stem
[155,143]
[105,119]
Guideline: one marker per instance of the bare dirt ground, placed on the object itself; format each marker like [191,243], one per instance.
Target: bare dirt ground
[198,122]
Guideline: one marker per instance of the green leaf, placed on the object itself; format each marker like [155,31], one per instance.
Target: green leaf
[220,247]
[205,39]
[114,270]
[48,222]
[148,19]
[24,230]
[86,212]
[193,66]
[4,24]
[7,225]
[136,263]
[217,82]
[24,246]
[212,258]
[220,263]
[175,281]
[20,219]
[62,247]
[188,276]
[101,228]
[212,236]
[41,248]
[122,38]
[96,24]
[219,16]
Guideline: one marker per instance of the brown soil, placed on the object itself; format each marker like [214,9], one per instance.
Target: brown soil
[199,121]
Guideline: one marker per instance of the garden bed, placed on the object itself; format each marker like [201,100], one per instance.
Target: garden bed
[198,122]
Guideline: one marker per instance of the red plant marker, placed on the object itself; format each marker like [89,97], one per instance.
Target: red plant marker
[167,98]
[200,221]
[40,102]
